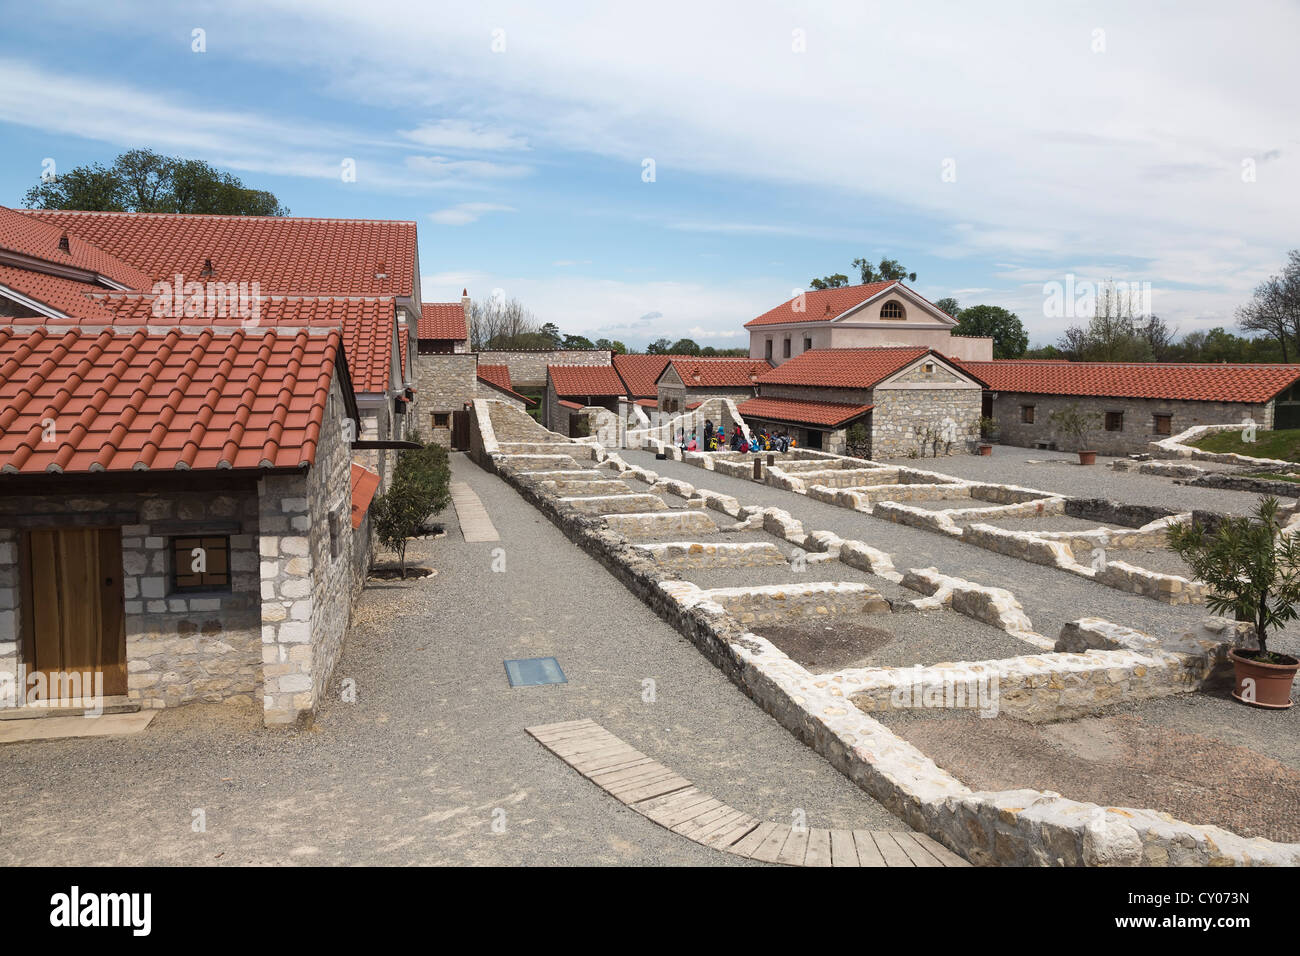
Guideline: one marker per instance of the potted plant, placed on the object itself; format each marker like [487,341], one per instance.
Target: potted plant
[1253,570]
[988,428]
[1076,424]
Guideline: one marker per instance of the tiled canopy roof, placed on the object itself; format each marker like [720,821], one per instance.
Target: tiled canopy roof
[24,235]
[65,296]
[1196,383]
[830,414]
[820,305]
[498,376]
[442,320]
[718,372]
[586,380]
[284,255]
[135,400]
[364,484]
[842,368]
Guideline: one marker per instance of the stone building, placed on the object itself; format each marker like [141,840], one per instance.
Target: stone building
[898,395]
[687,381]
[570,388]
[177,514]
[1131,404]
[496,380]
[876,315]
[528,366]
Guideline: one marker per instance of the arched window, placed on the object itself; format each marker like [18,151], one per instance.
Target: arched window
[893,309]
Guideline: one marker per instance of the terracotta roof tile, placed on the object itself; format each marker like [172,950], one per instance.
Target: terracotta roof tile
[1196,383]
[67,296]
[25,234]
[364,485]
[133,400]
[801,412]
[599,380]
[719,372]
[842,368]
[442,320]
[820,305]
[498,376]
[640,372]
[284,255]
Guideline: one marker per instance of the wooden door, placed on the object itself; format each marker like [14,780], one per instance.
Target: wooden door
[74,619]
[460,431]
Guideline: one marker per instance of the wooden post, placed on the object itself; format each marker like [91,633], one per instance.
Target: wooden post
[758,469]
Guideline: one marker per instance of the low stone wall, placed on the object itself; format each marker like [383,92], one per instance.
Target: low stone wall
[584,486]
[1108,512]
[696,554]
[628,503]
[1167,588]
[1179,446]
[660,523]
[1258,486]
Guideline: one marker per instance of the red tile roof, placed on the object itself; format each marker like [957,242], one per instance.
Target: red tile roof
[640,372]
[568,404]
[23,234]
[442,320]
[1197,383]
[284,255]
[135,400]
[843,368]
[498,376]
[599,380]
[820,305]
[830,414]
[66,296]
[364,485]
[719,372]
[367,322]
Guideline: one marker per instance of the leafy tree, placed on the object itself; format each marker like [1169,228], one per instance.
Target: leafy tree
[577,342]
[614,345]
[1005,328]
[141,180]
[685,347]
[1045,352]
[836,281]
[949,304]
[551,333]
[888,270]
[1251,567]
[659,347]
[1274,309]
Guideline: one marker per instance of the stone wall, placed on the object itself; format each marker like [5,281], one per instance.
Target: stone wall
[444,383]
[1139,420]
[899,411]
[528,366]
[377,423]
[180,645]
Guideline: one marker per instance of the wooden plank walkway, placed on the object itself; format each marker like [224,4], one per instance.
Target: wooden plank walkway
[670,800]
[475,524]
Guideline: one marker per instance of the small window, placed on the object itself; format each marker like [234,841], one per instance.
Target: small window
[200,563]
[767,350]
[1114,421]
[442,419]
[1027,414]
[928,368]
[891,310]
[785,348]
[1164,424]
[334,534]
[807,343]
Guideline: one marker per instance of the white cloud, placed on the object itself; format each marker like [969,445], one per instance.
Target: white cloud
[464,213]
[461,134]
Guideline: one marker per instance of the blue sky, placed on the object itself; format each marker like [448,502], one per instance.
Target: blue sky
[788,139]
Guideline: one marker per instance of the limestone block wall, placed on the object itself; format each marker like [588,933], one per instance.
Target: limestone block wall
[377,423]
[180,645]
[1139,419]
[444,384]
[899,411]
[528,366]
[308,574]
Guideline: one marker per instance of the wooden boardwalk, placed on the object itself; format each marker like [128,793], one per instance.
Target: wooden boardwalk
[670,800]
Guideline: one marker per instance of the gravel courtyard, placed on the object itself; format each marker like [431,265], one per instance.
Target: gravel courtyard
[412,772]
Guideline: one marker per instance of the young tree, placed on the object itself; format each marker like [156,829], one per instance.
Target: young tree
[1275,308]
[1009,336]
[1074,423]
[420,489]
[949,304]
[1251,567]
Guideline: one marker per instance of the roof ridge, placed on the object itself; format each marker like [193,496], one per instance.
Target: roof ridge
[205,215]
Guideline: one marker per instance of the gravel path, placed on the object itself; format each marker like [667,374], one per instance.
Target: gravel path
[1050,597]
[413,771]
[1061,473]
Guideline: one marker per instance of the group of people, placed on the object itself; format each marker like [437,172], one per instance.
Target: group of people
[714,439]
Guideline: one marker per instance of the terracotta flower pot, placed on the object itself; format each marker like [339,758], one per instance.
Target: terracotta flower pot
[1260,684]
[986,449]
[1087,458]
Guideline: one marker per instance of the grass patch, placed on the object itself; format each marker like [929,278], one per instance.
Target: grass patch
[1273,476]
[1282,445]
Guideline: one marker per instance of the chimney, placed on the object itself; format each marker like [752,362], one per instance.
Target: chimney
[63,244]
[695,375]
[208,271]
[383,270]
